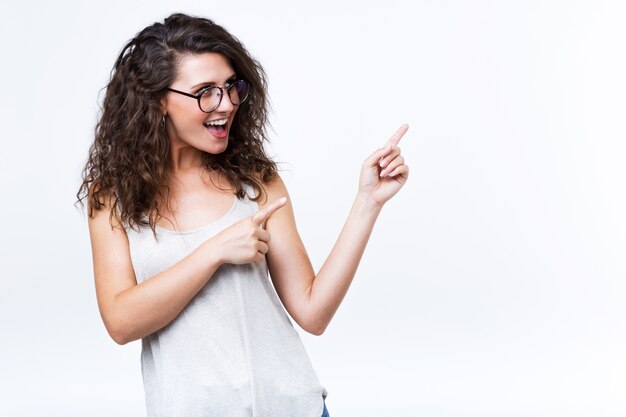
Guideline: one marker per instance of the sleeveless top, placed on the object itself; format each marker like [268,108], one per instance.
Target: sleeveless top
[232,351]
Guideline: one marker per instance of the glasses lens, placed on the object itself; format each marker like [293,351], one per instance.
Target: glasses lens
[210,99]
[238,92]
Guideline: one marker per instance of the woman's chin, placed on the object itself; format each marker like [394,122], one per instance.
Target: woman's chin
[217,148]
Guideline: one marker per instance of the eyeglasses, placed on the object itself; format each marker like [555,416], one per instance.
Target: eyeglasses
[210,98]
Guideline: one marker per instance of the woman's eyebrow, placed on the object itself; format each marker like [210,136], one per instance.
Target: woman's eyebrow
[211,83]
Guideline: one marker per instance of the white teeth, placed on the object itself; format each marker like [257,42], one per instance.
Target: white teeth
[216,122]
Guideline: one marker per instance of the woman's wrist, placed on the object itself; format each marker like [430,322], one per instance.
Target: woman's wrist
[211,253]
[365,203]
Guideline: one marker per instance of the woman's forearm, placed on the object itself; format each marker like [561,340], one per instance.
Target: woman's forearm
[335,276]
[145,308]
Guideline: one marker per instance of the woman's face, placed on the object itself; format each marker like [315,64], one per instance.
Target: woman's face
[186,124]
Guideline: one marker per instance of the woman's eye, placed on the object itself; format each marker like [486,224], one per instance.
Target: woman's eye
[207,91]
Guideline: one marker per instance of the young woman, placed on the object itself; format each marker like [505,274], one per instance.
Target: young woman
[188,216]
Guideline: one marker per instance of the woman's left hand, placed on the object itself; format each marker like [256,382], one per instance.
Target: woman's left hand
[384,172]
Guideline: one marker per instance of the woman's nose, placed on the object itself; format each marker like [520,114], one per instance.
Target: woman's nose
[226,104]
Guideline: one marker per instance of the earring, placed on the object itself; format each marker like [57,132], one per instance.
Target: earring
[163,122]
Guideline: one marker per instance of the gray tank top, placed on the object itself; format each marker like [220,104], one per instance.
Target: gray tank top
[232,351]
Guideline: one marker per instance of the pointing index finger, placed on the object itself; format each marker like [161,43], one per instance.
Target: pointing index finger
[261,217]
[395,139]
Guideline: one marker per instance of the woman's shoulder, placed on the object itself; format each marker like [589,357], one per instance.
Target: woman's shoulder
[106,204]
[271,190]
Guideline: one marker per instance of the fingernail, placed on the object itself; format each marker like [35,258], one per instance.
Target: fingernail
[383,172]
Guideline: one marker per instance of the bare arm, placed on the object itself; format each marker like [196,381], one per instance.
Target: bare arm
[132,311]
[310,299]
[335,276]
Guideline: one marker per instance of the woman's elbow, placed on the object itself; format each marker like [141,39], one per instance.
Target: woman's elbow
[116,330]
[117,335]
[317,332]
[121,339]
[316,329]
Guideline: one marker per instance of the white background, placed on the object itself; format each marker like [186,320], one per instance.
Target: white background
[494,282]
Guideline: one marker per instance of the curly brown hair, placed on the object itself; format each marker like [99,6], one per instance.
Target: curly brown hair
[129,159]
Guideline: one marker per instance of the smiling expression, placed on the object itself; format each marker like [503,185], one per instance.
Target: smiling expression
[186,124]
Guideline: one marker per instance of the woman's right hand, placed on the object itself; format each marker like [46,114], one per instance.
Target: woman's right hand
[246,241]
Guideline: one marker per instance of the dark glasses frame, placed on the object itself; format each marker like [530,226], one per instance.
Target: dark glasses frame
[228,89]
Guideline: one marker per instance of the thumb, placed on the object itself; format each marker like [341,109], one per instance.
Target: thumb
[265,213]
[373,159]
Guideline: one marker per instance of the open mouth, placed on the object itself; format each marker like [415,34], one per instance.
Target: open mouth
[217,127]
